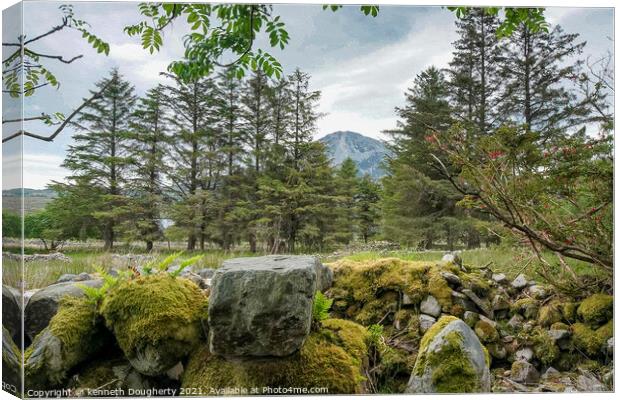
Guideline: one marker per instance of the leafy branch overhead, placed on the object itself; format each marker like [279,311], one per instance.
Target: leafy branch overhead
[30,62]
[533,18]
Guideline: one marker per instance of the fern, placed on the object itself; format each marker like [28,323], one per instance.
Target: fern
[375,335]
[321,306]
[184,264]
[163,266]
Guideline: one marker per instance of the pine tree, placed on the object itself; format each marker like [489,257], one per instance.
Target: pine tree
[191,106]
[257,118]
[367,196]
[536,75]
[474,71]
[346,180]
[100,152]
[148,150]
[418,203]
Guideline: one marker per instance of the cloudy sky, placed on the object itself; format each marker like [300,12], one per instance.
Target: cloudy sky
[362,65]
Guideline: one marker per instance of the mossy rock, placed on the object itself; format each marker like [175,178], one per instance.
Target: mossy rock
[74,334]
[550,313]
[569,311]
[364,291]
[451,359]
[591,341]
[560,326]
[11,364]
[596,309]
[486,331]
[157,320]
[332,358]
[527,307]
[544,346]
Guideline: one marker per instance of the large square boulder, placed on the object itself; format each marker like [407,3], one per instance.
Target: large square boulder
[262,306]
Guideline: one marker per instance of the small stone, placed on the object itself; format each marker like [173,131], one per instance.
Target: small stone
[430,306]
[206,273]
[453,258]
[557,334]
[610,345]
[589,383]
[175,372]
[497,350]
[520,282]
[483,305]
[451,278]
[516,322]
[500,302]
[499,278]
[524,372]
[524,354]
[426,321]
[551,373]
[66,278]
[508,339]
[537,292]
[83,276]
[486,331]
[471,318]
[407,301]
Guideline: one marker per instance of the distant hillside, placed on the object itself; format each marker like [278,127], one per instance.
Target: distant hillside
[34,199]
[368,153]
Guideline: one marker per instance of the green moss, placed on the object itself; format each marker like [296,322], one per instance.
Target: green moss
[487,356]
[477,284]
[560,326]
[569,311]
[486,331]
[591,341]
[527,307]
[549,314]
[452,370]
[438,287]
[331,358]
[596,309]
[156,310]
[75,333]
[545,348]
[427,339]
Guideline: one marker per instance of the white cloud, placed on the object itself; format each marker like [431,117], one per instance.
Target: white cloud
[360,93]
[41,169]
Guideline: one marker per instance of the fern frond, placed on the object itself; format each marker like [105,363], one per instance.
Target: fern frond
[321,306]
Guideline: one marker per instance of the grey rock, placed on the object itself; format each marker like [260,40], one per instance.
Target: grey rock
[452,279]
[262,306]
[587,382]
[499,278]
[206,273]
[83,276]
[426,321]
[500,302]
[175,372]
[537,292]
[524,354]
[471,318]
[153,360]
[325,276]
[558,334]
[430,306]
[11,364]
[471,349]
[551,373]
[497,350]
[453,258]
[524,372]
[483,305]
[610,345]
[407,301]
[463,301]
[43,305]
[12,313]
[520,282]
[66,278]
[488,321]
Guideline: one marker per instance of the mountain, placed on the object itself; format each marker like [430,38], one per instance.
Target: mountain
[34,199]
[368,153]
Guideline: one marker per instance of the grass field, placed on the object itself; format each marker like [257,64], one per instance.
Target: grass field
[509,261]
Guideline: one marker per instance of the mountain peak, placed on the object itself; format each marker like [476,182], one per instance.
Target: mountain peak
[368,153]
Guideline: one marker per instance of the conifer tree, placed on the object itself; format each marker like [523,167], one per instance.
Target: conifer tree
[536,75]
[191,106]
[100,152]
[474,71]
[367,196]
[148,150]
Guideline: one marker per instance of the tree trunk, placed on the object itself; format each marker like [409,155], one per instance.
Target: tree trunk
[149,246]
